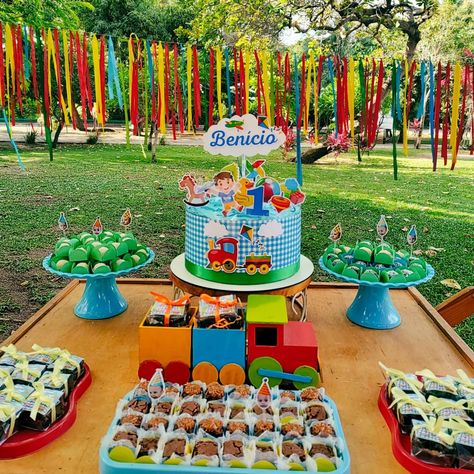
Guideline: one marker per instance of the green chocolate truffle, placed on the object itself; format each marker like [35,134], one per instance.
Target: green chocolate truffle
[62,250]
[79,254]
[130,241]
[370,275]
[81,268]
[336,265]
[100,268]
[121,264]
[136,260]
[392,276]
[104,253]
[416,267]
[63,266]
[363,252]
[351,271]
[121,248]
[384,255]
[410,275]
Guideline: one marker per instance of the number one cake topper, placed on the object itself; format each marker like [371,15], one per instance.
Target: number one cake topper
[264,395]
[336,234]
[97,227]
[382,228]
[126,219]
[156,386]
[412,237]
[62,223]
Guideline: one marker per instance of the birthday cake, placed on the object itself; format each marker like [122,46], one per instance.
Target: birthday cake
[243,227]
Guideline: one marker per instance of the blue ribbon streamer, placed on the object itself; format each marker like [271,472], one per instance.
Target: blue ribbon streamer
[227,80]
[421,104]
[334,98]
[150,64]
[432,107]
[12,142]
[112,74]
[26,53]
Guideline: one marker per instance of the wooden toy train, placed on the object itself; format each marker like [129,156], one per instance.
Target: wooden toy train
[268,345]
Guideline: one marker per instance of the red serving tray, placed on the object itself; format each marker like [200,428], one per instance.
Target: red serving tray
[401,444]
[28,441]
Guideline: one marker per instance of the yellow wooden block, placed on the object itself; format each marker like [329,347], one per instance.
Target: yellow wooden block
[232,374]
[205,372]
[164,344]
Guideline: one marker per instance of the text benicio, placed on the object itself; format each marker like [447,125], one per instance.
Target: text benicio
[219,138]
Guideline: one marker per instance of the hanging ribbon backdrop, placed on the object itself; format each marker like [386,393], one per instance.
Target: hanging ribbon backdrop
[167,80]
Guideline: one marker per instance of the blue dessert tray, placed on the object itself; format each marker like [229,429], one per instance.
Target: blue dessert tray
[108,466]
[101,298]
[373,307]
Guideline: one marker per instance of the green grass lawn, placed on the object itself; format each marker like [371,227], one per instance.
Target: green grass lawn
[86,181]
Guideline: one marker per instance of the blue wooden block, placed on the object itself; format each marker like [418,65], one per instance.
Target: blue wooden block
[218,346]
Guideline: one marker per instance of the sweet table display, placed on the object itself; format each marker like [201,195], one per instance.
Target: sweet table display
[431,419]
[190,428]
[376,267]
[98,257]
[39,391]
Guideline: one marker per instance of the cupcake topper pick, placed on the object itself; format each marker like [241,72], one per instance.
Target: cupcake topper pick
[97,228]
[336,234]
[382,227]
[412,237]
[264,396]
[126,219]
[62,223]
[156,386]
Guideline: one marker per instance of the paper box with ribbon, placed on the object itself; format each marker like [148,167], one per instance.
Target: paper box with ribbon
[220,312]
[166,312]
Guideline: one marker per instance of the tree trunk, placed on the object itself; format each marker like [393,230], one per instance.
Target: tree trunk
[153,148]
[314,154]
[58,132]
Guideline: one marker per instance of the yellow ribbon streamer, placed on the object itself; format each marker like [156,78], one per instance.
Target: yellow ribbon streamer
[220,107]
[8,412]
[316,102]
[67,74]
[41,398]
[52,57]
[189,79]
[439,404]
[455,113]
[12,352]
[426,373]
[247,80]
[161,85]
[98,90]
[350,96]
[266,88]
[310,66]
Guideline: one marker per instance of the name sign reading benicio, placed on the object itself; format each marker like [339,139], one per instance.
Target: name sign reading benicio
[243,135]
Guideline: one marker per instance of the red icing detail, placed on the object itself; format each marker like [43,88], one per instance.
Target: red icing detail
[177,372]
[148,368]
[27,441]
[401,445]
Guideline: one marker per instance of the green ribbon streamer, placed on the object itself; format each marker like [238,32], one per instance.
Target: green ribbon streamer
[241,278]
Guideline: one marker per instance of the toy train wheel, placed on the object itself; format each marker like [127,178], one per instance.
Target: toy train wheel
[147,368]
[268,363]
[228,266]
[264,268]
[251,269]
[216,266]
[176,372]
[205,372]
[307,371]
[232,374]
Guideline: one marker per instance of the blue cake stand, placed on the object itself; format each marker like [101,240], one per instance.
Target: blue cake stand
[373,307]
[101,298]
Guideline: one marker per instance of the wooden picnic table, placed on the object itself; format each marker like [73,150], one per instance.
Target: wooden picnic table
[348,353]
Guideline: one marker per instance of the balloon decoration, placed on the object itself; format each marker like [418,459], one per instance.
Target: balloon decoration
[165,83]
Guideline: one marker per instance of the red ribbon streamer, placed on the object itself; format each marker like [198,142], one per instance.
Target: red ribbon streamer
[197,88]
[242,83]
[463,110]
[102,74]
[58,67]
[302,92]
[236,83]
[82,83]
[167,81]
[2,69]
[376,108]
[71,70]
[444,145]
[177,89]
[45,81]
[287,91]
[211,87]
[436,115]
[85,69]
[410,86]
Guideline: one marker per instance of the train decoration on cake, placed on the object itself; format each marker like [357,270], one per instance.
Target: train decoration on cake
[232,346]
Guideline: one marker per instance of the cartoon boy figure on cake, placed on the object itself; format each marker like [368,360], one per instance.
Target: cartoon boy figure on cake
[225,188]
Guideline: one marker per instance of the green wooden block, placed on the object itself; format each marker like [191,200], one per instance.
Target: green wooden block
[266,309]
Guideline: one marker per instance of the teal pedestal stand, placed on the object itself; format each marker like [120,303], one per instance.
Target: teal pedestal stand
[373,307]
[101,298]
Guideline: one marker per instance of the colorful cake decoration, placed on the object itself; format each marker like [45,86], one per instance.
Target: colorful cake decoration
[195,195]
[126,219]
[412,237]
[264,395]
[336,234]
[156,386]
[97,227]
[62,223]
[382,228]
